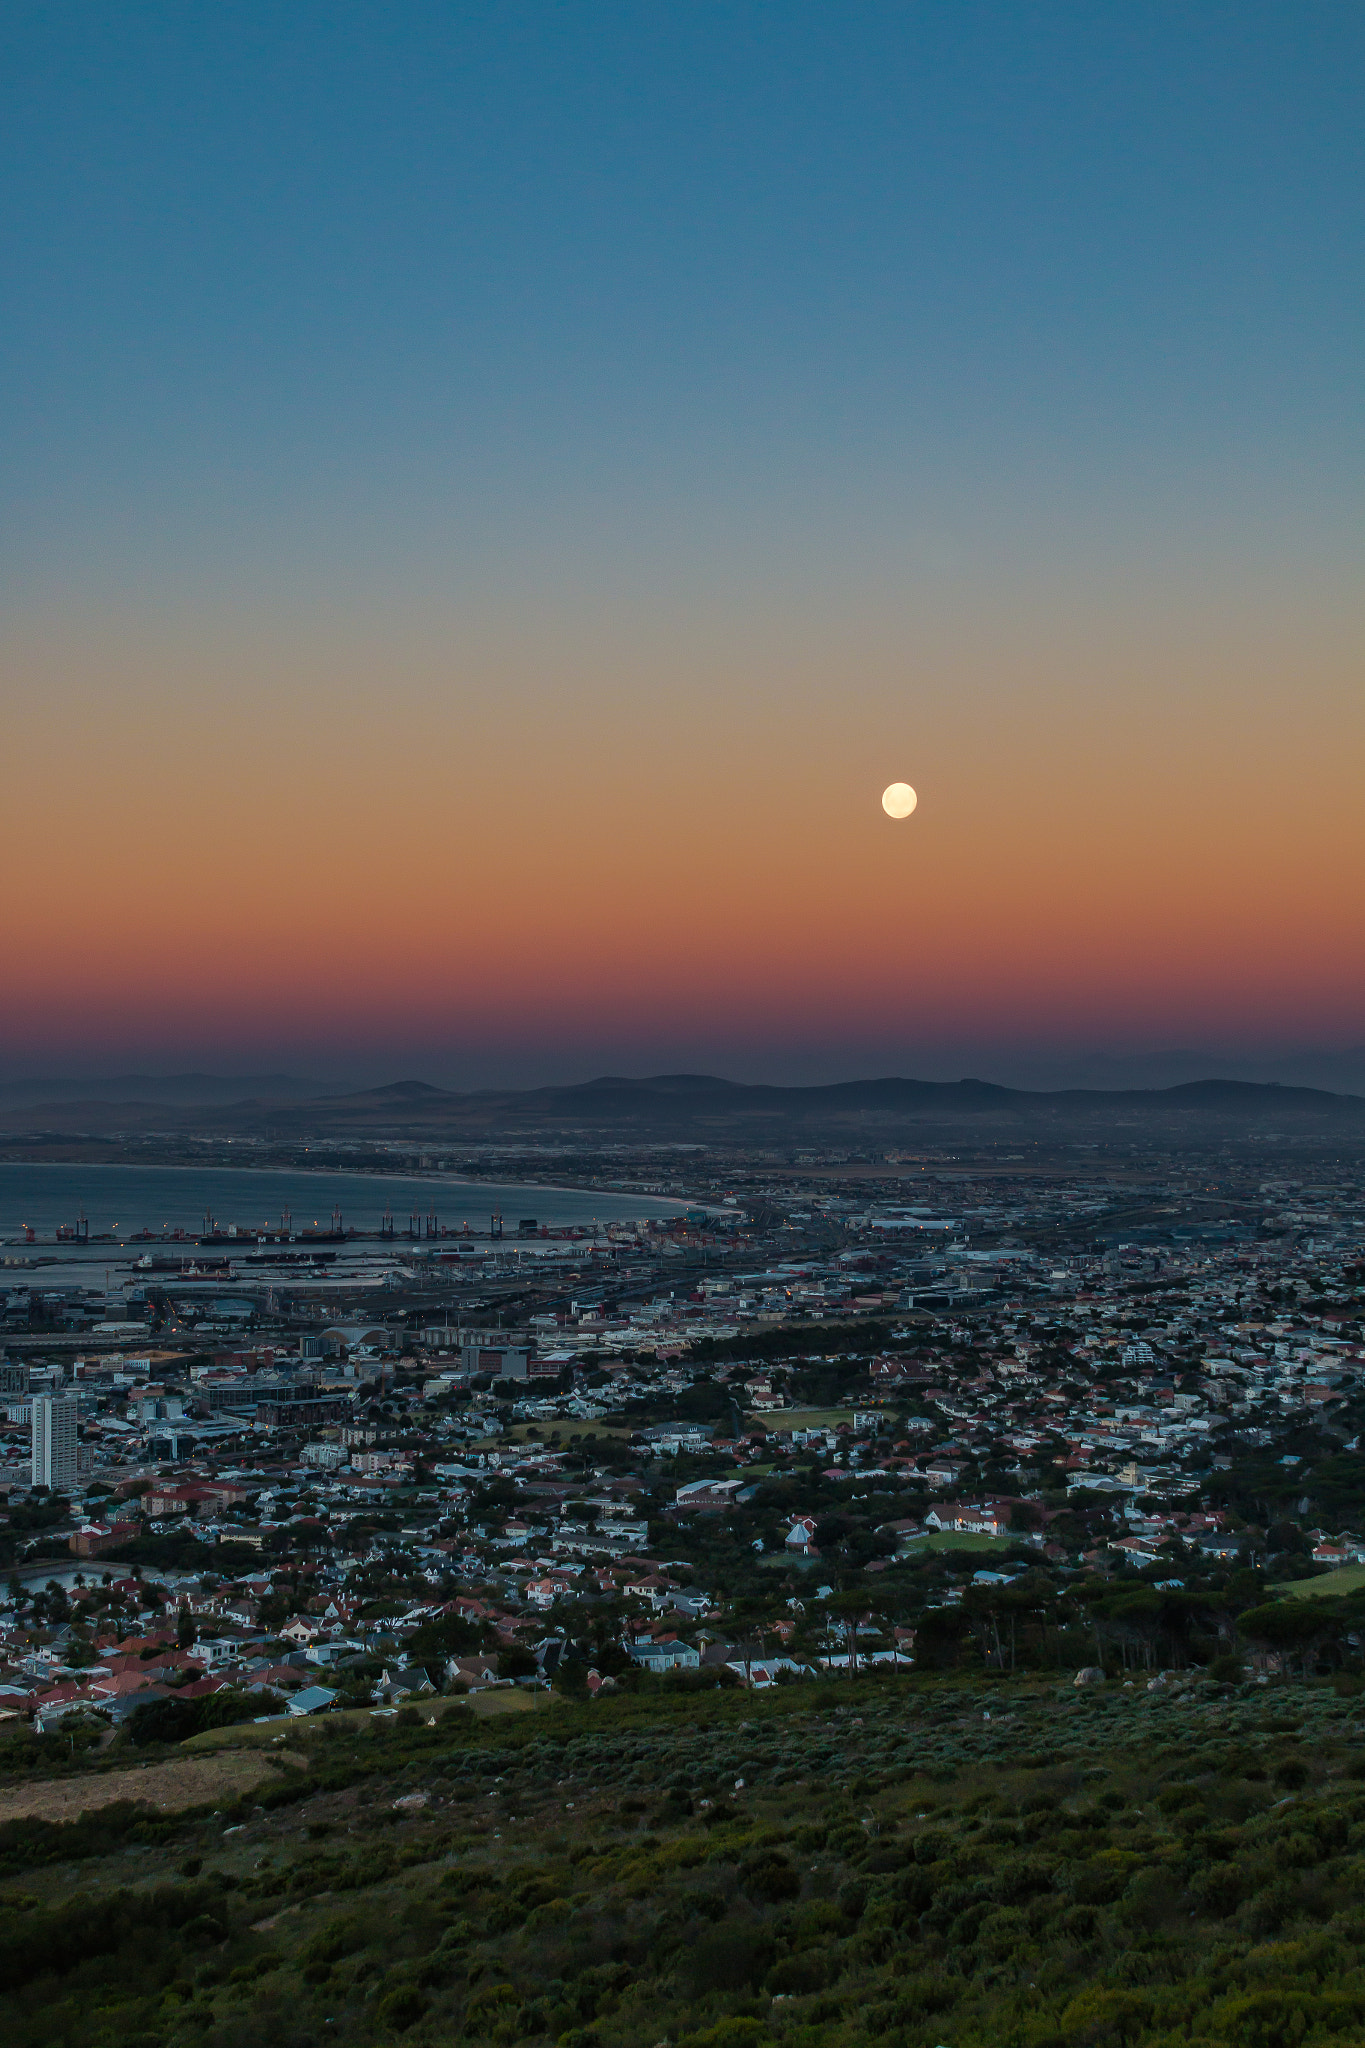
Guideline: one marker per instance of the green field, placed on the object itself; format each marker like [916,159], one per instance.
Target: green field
[304,1728]
[800,1418]
[1331,1586]
[959,1539]
[556,1434]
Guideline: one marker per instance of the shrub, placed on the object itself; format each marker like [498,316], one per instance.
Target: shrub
[487,2003]
[1220,1890]
[1269,1910]
[336,1938]
[730,1958]
[1102,2018]
[795,1975]
[1020,1879]
[401,2008]
[737,2031]
[853,1898]
[1003,1934]
[932,1846]
[771,1877]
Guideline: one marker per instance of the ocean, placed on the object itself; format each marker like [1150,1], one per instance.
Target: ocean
[121,1200]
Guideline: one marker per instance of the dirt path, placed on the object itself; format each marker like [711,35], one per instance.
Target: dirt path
[168,1787]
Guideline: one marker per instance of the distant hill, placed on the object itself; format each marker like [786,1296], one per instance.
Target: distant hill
[1339,1073]
[694,1108]
[194,1090]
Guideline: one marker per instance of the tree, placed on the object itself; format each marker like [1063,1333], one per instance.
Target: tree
[1293,1628]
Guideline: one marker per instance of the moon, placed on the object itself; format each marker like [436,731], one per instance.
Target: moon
[899,800]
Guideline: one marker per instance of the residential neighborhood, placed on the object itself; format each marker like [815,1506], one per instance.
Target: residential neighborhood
[782,1427]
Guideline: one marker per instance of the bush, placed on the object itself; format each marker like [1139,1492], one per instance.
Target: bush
[336,1938]
[1219,1891]
[729,1958]
[796,1975]
[771,1878]
[1102,2018]
[170,1719]
[401,2009]
[65,1936]
[737,2031]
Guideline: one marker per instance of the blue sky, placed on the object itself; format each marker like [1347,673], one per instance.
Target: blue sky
[409,416]
[317,270]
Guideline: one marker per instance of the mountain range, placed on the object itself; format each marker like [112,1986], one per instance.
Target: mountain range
[690,1108]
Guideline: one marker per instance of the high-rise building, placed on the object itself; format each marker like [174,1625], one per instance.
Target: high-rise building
[54,1441]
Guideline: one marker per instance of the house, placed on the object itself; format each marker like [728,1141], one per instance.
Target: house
[475,1673]
[669,1655]
[651,1586]
[758,1673]
[302,1628]
[544,1592]
[974,1518]
[313,1699]
[800,1537]
[200,1688]
[327,1654]
[1225,1547]
[713,1496]
[400,1682]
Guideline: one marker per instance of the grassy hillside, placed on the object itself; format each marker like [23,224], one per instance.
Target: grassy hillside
[904,1861]
[1350,1578]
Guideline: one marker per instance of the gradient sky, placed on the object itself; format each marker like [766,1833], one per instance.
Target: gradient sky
[490,494]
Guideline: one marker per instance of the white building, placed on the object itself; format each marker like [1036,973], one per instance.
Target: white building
[54,1441]
[329,1457]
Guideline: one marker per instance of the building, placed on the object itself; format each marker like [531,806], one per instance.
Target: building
[54,1441]
[975,1518]
[329,1457]
[669,1655]
[312,1699]
[96,1537]
[503,1361]
[13,1379]
[301,1411]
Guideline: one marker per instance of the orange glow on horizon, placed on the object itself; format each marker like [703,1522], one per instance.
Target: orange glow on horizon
[1109,838]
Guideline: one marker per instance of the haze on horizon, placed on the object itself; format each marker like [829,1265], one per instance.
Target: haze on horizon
[491,498]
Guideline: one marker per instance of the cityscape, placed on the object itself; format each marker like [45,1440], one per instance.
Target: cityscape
[682,1025]
[702,1435]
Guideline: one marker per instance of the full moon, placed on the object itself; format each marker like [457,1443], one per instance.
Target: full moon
[899,800]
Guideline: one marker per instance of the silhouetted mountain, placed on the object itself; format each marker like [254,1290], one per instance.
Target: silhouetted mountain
[194,1090]
[406,1091]
[1341,1073]
[705,1109]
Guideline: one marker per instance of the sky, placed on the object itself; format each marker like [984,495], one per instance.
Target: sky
[491,494]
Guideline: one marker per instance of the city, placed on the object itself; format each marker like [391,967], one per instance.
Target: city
[778,1432]
[682,1025]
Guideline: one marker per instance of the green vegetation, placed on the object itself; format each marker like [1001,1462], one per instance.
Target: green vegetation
[1349,1578]
[1018,1863]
